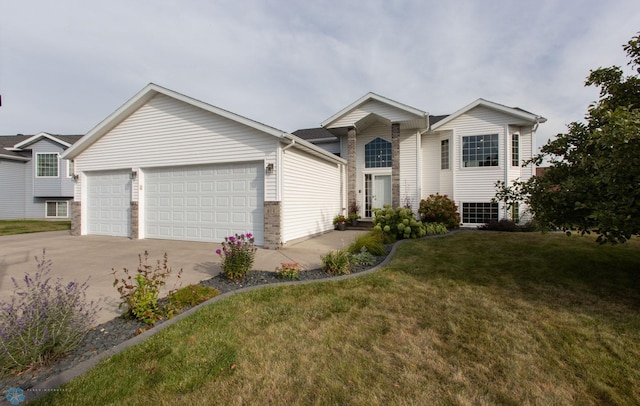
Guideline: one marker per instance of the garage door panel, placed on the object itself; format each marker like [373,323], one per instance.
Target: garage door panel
[214,202]
[108,203]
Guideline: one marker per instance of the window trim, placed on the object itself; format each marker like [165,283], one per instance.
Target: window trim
[448,154]
[37,165]
[497,151]
[515,149]
[70,168]
[57,203]
[493,208]
[388,163]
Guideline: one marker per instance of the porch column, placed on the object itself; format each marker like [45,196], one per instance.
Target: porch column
[351,167]
[395,165]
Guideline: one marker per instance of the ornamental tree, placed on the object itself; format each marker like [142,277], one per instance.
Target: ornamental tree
[593,183]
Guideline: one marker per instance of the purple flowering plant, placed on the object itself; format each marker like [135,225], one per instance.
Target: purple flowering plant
[43,320]
[237,253]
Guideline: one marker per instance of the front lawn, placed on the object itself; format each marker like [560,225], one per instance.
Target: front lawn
[8,227]
[475,318]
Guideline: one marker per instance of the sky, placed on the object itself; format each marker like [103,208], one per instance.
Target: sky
[66,65]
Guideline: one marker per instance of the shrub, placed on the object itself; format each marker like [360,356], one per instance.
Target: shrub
[502,225]
[336,262]
[288,270]
[399,223]
[363,258]
[439,209]
[191,295]
[140,292]
[237,253]
[373,242]
[436,228]
[43,321]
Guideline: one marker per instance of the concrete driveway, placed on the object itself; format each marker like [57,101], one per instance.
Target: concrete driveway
[94,257]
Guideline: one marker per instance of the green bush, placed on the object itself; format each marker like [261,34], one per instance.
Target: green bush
[288,270]
[399,223]
[373,242]
[436,228]
[336,262]
[43,321]
[191,295]
[439,209]
[362,258]
[140,292]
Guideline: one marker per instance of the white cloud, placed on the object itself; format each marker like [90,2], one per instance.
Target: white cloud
[66,65]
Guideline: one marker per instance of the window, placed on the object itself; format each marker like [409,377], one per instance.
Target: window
[70,168]
[47,165]
[480,150]
[515,149]
[57,209]
[377,154]
[444,154]
[479,212]
[515,212]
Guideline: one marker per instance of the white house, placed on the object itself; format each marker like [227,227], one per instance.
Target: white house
[167,166]
[399,155]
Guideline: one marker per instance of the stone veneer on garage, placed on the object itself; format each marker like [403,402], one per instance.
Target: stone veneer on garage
[272,215]
[75,217]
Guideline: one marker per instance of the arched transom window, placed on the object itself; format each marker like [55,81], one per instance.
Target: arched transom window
[377,154]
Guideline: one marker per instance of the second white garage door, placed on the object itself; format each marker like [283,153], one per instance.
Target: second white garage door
[204,203]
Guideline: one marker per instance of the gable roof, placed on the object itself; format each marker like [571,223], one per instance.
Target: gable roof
[514,111]
[13,146]
[151,90]
[315,134]
[419,114]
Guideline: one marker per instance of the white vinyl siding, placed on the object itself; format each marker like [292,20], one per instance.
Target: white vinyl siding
[168,132]
[408,170]
[204,202]
[311,195]
[390,113]
[434,178]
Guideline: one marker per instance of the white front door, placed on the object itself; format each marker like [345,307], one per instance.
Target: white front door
[381,191]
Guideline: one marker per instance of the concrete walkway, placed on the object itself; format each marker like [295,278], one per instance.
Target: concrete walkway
[94,257]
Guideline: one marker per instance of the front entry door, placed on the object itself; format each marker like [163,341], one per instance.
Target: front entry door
[378,192]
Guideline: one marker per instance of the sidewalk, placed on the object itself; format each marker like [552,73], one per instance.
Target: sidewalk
[94,257]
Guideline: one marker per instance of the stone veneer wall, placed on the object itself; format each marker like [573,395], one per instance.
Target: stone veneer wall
[76,217]
[272,232]
[395,166]
[134,221]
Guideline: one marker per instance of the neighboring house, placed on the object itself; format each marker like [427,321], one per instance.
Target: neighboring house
[35,183]
[165,165]
[399,155]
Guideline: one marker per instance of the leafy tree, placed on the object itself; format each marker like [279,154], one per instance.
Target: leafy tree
[593,184]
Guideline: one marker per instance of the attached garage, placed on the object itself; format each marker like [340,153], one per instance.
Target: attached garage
[167,166]
[204,203]
[108,207]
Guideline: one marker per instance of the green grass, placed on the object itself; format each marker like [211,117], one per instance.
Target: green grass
[9,227]
[475,318]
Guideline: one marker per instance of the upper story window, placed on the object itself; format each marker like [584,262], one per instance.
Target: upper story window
[70,168]
[377,154]
[515,149]
[480,150]
[47,165]
[444,154]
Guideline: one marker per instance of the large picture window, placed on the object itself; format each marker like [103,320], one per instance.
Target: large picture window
[377,154]
[480,150]
[57,209]
[47,165]
[479,213]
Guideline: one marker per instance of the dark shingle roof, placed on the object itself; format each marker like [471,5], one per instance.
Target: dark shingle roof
[435,119]
[9,141]
[310,134]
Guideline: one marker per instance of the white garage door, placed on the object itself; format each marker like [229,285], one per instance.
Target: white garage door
[108,203]
[204,203]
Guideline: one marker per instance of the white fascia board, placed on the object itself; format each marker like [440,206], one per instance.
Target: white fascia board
[14,158]
[372,96]
[495,106]
[38,137]
[146,94]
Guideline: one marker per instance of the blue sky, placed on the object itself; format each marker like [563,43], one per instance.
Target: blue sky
[66,65]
